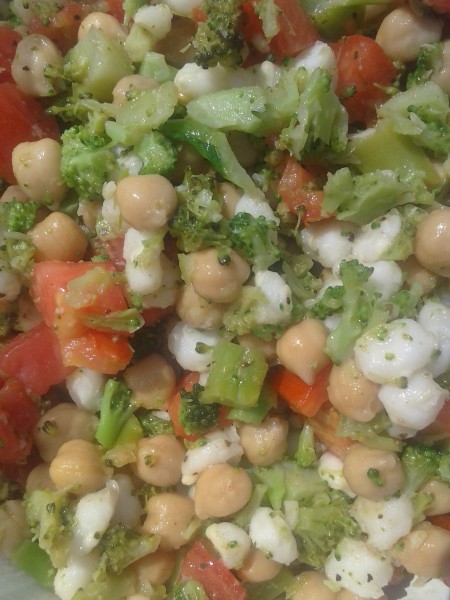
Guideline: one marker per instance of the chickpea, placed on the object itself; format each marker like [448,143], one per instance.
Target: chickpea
[215,278]
[198,312]
[155,568]
[221,490]
[301,349]
[13,192]
[440,493]
[169,515]
[60,424]
[79,464]
[312,587]
[416,273]
[39,478]
[371,473]
[36,166]
[267,347]
[230,197]
[352,394]
[402,33]
[58,237]
[257,567]
[35,54]
[442,77]
[146,202]
[152,381]
[107,24]
[432,242]
[425,551]
[266,443]
[159,459]
[124,88]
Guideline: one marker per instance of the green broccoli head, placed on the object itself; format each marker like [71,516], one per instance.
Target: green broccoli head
[157,153]
[19,216]
[255,239]
[189,590]
[420,464]
[86,161]
[218,41]
[153,425]
[120,546]
[428,61]
[197,418]
[115,410]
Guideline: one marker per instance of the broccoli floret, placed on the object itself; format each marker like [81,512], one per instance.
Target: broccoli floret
[255,239]
[218,41]
[50,515]
[420,464]
[157,153]
[120,546]
[115,410]
[153,425]
[197,418]
[428,61]
[19,216]
[190,590]
[86,161]
[306,456]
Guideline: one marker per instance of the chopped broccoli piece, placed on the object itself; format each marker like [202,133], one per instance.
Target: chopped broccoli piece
[428,61]
[420,464]
[19,216]
[329,303]
[189,590]
[197,418]
[374,433]
[115,410]
[86,161]
[157,153]
[255,239]
[153,425]
[120,546]
[108,587]
[50,516]
[35,562]
[306,456]
[218,41]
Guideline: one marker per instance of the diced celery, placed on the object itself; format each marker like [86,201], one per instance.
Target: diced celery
[130,432]
[155,67]
[236,376]
[35,562]
[255,414]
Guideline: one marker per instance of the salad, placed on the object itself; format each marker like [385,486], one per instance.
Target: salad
[224,298]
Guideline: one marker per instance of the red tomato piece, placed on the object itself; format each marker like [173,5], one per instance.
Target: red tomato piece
[153,315]
[99,351]
[440,521]
[296,30]
[301,398]
[22,119]
[325,424]
[362,67]
[440,6]
[34,358]
[218,581]
[298,190]
[8,44]
[115,8]
[62,28]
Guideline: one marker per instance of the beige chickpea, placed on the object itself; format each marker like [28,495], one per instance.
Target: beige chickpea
[266,443]
[13,192]
[146,202]
[372,473]
[402,33]
[152,381]
[196,311]
[106,23]
[215,278]
[125,87]
[78,465]
[159,459]
[258,568]
[35,54]
[267,347]
[155,568]
[417,274]
[425,551]
[352,394]
[36,166]
[311,586]
[13,525]
[442,76]
[440,493]
[169,515]
[221,490]
[39,478]
[432,242]
[301,349]
[60,424]
[58,237]
[230,197]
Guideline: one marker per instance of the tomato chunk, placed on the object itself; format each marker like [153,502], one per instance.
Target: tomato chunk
[301,398]
[296,30]
[62,28]
[8,44]
[298,190]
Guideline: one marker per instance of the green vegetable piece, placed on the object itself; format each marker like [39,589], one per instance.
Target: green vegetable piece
[189,590]
[196,417]
[115,410]
[333,18]
[35,562]
[420,464]
[153,425]
[19,216]
[254,238]
[255,414]
[124,321]
[236,376]
[95,64]
[110,587]
[155,67]
[428,61]
[279,586]
[305,455]
[157,153]
[214,147]
[374,433]
[130,432]
[119,547]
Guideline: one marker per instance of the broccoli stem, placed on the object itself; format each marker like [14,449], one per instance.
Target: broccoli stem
[115,410]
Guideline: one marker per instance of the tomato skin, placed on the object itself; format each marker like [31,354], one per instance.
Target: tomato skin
[296,30]
[155,314]
[440,521]
[97,350]
[218,581]
[22,358]
[22,119]
[362,66]
[297,189]
[8,44]
[115,8]
[62,28]
[301,398]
